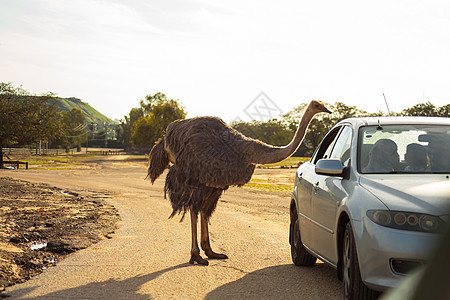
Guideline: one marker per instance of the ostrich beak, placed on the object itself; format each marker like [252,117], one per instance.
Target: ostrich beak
[327,111]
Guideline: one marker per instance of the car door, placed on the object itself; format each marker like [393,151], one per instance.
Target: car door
[327,194]
[306,177]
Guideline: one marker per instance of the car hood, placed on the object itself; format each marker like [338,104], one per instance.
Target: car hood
[428,193]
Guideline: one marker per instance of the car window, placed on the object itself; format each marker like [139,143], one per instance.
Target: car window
[404,149]
[341,149]
[324,150]
[327,152]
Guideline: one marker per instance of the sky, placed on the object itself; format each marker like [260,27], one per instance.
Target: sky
[228,58]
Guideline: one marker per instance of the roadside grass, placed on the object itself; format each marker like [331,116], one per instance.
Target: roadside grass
[52,168]
[69,161]
[270,183]
[268,187]
[52,162]
[290,162]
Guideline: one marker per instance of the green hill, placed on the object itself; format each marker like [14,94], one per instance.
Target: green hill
[91,114]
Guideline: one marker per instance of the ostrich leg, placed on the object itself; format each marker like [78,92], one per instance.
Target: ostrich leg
[195,251]
[206,246]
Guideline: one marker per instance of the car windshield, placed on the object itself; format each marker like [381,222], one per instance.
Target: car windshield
[404,149]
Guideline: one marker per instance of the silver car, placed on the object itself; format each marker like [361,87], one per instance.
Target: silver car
[372,200]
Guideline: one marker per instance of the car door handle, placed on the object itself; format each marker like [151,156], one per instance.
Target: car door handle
[316,187]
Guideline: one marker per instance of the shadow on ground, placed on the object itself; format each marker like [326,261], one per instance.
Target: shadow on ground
[277,282]
[109,289]
[283,282]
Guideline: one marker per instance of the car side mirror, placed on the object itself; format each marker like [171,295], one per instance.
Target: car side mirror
[330,167]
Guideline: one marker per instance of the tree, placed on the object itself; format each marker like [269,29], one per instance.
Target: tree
[421,109]
[26,118]
[159,113]
[74,127]
[444,111]
[144,132]
[273,132]
[123,130]
[145,124]
[320,125]
[427,109]
[150,101]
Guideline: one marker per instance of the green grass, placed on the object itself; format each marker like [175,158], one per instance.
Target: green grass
[55,161]
[53,168]
[90,113]
[38,161]
[259,180]
[290,162]
[267,187]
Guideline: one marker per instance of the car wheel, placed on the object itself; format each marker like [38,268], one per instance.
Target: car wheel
[354,287]
[300,257]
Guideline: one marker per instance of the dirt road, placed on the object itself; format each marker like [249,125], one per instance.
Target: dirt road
[147,258]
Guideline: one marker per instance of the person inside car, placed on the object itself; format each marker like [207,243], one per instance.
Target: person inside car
[383,157]
[440,158]
[416,157]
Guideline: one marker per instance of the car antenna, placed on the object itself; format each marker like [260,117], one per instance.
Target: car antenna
[389,112]
[379,127]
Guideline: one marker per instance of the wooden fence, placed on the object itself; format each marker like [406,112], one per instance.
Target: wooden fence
[36,151]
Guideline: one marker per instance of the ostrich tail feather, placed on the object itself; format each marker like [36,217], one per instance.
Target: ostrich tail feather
[158,161]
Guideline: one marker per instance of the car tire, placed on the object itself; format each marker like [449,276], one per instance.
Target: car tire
[354,287]
[300,257]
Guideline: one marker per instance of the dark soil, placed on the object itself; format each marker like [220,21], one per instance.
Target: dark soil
[41,224]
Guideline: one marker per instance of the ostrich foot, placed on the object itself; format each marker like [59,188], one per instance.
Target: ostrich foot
[197,258]
[211,254]
[215,255]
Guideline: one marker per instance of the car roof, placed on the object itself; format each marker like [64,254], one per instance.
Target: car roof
[402,120]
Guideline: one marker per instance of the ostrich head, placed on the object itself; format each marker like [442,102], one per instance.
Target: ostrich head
[316,106]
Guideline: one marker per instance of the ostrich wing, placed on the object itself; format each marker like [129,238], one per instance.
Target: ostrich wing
[211,153]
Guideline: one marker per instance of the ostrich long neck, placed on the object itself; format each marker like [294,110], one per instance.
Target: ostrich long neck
[267,154]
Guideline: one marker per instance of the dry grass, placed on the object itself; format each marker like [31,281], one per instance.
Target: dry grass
[276,181]
[268,187]
[262,182]
[288,163]
[52,162]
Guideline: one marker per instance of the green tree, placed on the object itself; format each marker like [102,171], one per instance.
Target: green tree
[74,127]
[123,130]
[150,101]
[320,125]
[26,118]
[427,109]
[444,111]
[159,113]
[273,132]
[421,109]
[143,132]
[246,128]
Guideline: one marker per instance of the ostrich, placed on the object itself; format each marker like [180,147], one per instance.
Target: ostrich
[208,156]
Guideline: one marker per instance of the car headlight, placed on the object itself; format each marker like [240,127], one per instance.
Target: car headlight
[406,220]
